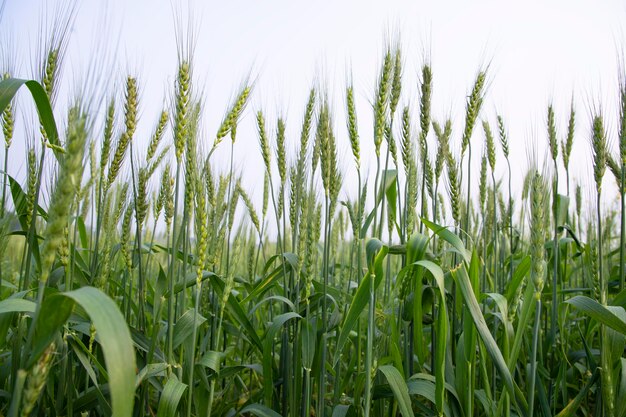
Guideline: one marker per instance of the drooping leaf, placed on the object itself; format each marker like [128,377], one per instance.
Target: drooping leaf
[471,303]
[16,305]
[211,360]
[183,328]
[598,312]
[10,87]
[449,237]
[399,388]
[170,397]
[112,334]
[258,410]
[426,389]
[149,371]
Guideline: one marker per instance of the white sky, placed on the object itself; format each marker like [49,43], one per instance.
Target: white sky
[539,52]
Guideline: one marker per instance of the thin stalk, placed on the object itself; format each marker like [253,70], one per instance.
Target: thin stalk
[533,356]
[622,234]
[422,190]
[284,346]
[99,207]
[370,346]
[325,269]
[170,273]
[555,256]
[141,281]
[194,337]
[376,178]
[508,164]
[31,230]
[384,184]
[499,286]
[69,272]
[230,192]
[214,347]
[359,346]
[152,239]
[469,191]
[6,179]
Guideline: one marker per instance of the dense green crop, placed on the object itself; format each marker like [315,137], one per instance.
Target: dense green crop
[155,285]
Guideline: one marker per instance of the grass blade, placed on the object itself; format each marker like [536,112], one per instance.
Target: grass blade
[9,87]
[399,388]
[170,397]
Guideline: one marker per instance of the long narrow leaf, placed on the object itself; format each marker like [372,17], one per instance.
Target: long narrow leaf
[598,312]
[399,388]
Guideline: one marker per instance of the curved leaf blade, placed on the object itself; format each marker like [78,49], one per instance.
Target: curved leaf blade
[115,340]
[598,312]
[10,87]
[170,397]
[399,388]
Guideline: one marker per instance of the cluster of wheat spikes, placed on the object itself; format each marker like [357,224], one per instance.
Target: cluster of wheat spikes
[152,284]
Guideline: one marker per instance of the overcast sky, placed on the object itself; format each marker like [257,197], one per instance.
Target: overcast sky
[538,52]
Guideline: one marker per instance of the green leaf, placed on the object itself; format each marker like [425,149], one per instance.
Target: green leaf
[389,176]
[449,237]
[343,410]
[8,89]
[375,252]
[528,308]
[616,339]
[211,360]
[280,298]
[441,332]
[621,392]
[503,308]
[416,249]
[185,324]
[229,371]
[268,344]
[115,341]
[149,371]
[258,410]
[20,203]
[56,309]
[85,357]
[190,281]
[598,312]
[308,343]
[562,204]
[391,192]
[112,334]
[16,305]
[170,397]
[236,311]
[486,402]
[82,231]
[620,299]
[399,388]
[518,276]
[571,408]
[471,303]
[426,389]
[290,263]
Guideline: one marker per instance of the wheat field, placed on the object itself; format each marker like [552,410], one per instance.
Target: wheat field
[144,281]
